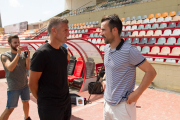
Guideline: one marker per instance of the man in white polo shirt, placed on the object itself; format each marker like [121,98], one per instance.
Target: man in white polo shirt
[121,60]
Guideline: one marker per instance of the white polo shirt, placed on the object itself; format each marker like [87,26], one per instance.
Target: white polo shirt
[120,69]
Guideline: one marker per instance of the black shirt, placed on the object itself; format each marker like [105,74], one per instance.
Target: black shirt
[53,89]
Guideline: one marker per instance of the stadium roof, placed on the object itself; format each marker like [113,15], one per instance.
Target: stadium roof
[63,13]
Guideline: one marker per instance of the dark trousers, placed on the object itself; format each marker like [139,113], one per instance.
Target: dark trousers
[55,113]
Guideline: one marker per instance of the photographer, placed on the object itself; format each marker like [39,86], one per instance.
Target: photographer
[15,66]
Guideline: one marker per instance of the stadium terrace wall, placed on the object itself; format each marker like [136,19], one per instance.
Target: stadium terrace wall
[168,76]
[140,9]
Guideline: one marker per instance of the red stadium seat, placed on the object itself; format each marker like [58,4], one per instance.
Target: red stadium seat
[78,70]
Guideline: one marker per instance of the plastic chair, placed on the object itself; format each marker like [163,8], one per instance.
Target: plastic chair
[138,18]
[149,59]
[122,19]
[127,34]
[127,19]
[102,41]
[175,51]
[164,51]
[142,33]
[157,33]
[76,36]
[139,22]
[178,14]
[155,50]
[98,41]
[82,31]
[129,40]
[170,61]
[172,25]
[134,27]
[176,32]
[133,22]
[86,30]
[122,34]
[140,27]
[135,33]
[143,41]
[78,70]
[89,23]
[123,28]
[167,19]
[158,15]
[133,18]
[71,65]
[176,18]
[161,19]
[135,41]
[94,41]
[91,35]
[102,48]
[100,35]
[127,23]
[161,41]
[163,25]
[165,14]
[144,17]
[152,20]
[98,30]
[167,32]
[145,50]
[151,16]
[139,48]
[80,36]
[159,60]
[97,22]
[178,25]
[96,35]
[89,40]
[172,14]
[146,21]
[128,28]
[79,31]
[149,33]
[171,41]
[148,26]
[178,42]
[75,31]
[178,61]
[73,36]
[155,26]
[151,41]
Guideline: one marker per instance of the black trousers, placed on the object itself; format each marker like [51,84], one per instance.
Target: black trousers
[55,112]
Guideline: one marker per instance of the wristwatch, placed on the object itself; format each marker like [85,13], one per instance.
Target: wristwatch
[103,80]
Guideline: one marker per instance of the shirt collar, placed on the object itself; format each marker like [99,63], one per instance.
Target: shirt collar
[118,47]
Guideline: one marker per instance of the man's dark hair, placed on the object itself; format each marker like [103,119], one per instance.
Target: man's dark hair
[11,37]
[114,21]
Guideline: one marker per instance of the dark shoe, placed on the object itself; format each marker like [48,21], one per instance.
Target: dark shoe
[28,118]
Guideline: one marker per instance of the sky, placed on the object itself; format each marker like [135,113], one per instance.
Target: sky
[15,11]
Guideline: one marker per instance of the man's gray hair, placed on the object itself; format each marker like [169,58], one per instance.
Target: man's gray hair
[54,22]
